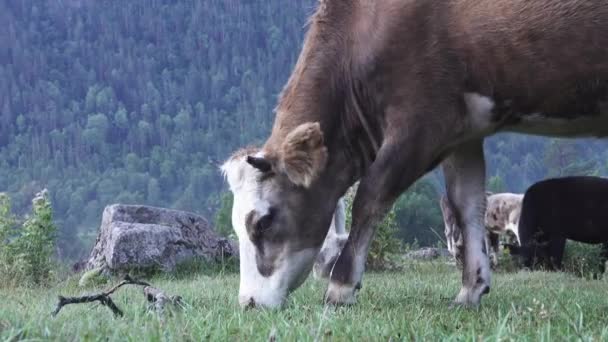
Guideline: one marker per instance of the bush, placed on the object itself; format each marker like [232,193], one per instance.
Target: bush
[223,217]
[418,214]
[7,225]
[580,259]
[26,252]
[583,259]
[386,245]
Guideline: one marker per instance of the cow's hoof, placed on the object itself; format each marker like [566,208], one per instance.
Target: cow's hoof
[471,297]
[340,294]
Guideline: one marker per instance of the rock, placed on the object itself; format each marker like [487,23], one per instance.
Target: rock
[137,236]
[428,253]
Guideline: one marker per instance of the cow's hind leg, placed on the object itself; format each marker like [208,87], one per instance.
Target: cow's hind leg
[556,252]
[464,171]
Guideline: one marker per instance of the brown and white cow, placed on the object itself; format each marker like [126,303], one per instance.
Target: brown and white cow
[384,91]
[501,218]
[241,177]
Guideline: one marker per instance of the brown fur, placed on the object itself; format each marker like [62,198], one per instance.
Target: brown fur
[303,155]
[387,81]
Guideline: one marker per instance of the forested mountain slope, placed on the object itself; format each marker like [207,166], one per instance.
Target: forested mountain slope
[138,101]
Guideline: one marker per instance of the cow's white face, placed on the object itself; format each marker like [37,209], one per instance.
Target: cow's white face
[280,223]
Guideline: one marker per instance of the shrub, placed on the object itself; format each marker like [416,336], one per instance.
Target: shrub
[223,217]
[386,245]
[26,253]
[583,259]
[580,259]
[7,225]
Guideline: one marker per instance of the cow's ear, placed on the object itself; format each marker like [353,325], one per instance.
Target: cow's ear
[303,154]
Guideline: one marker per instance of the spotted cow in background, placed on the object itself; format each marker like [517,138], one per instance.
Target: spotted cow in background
[501,218]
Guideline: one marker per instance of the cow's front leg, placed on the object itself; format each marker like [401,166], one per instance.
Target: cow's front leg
[394,169]
[464,172]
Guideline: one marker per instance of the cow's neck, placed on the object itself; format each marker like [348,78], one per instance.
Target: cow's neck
[326,87]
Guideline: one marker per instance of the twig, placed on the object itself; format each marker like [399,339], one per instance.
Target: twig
[441,238]
[103,298]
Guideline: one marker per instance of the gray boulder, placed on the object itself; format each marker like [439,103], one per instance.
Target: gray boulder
[137,236]
[428,253]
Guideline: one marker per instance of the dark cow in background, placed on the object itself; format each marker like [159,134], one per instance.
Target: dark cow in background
[501,219]
[554,210]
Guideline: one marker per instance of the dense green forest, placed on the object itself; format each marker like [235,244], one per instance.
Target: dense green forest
[139,101]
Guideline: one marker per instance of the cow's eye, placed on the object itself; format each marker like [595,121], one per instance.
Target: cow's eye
[265,222]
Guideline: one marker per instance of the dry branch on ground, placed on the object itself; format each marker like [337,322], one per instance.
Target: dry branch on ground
[153,295]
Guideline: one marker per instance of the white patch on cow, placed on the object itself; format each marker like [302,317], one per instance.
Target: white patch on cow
[514,228]
[479,108]
[254,288]
[240,175]
[270,292]
[341,293]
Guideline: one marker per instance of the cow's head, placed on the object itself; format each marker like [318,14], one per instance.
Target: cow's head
[281,214]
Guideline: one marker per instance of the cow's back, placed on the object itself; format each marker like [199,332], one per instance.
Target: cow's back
[534,59]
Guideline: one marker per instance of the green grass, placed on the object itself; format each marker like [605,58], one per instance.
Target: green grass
[406,305]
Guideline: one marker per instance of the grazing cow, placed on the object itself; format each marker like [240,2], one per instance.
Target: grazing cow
[383,92]
[501,218]
[245,194]
[553,210]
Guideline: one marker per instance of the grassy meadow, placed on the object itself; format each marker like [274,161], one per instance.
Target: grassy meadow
[413,304]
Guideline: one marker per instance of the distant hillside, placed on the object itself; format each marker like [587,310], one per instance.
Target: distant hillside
[137,102]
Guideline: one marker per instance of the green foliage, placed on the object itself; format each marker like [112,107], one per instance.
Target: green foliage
[137,110]
[223,217]
[7,225]
[583,259]
[386,245]
[418,214]
[93,277]
[496,184]
[562,157]
[507,262]
[27,254]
